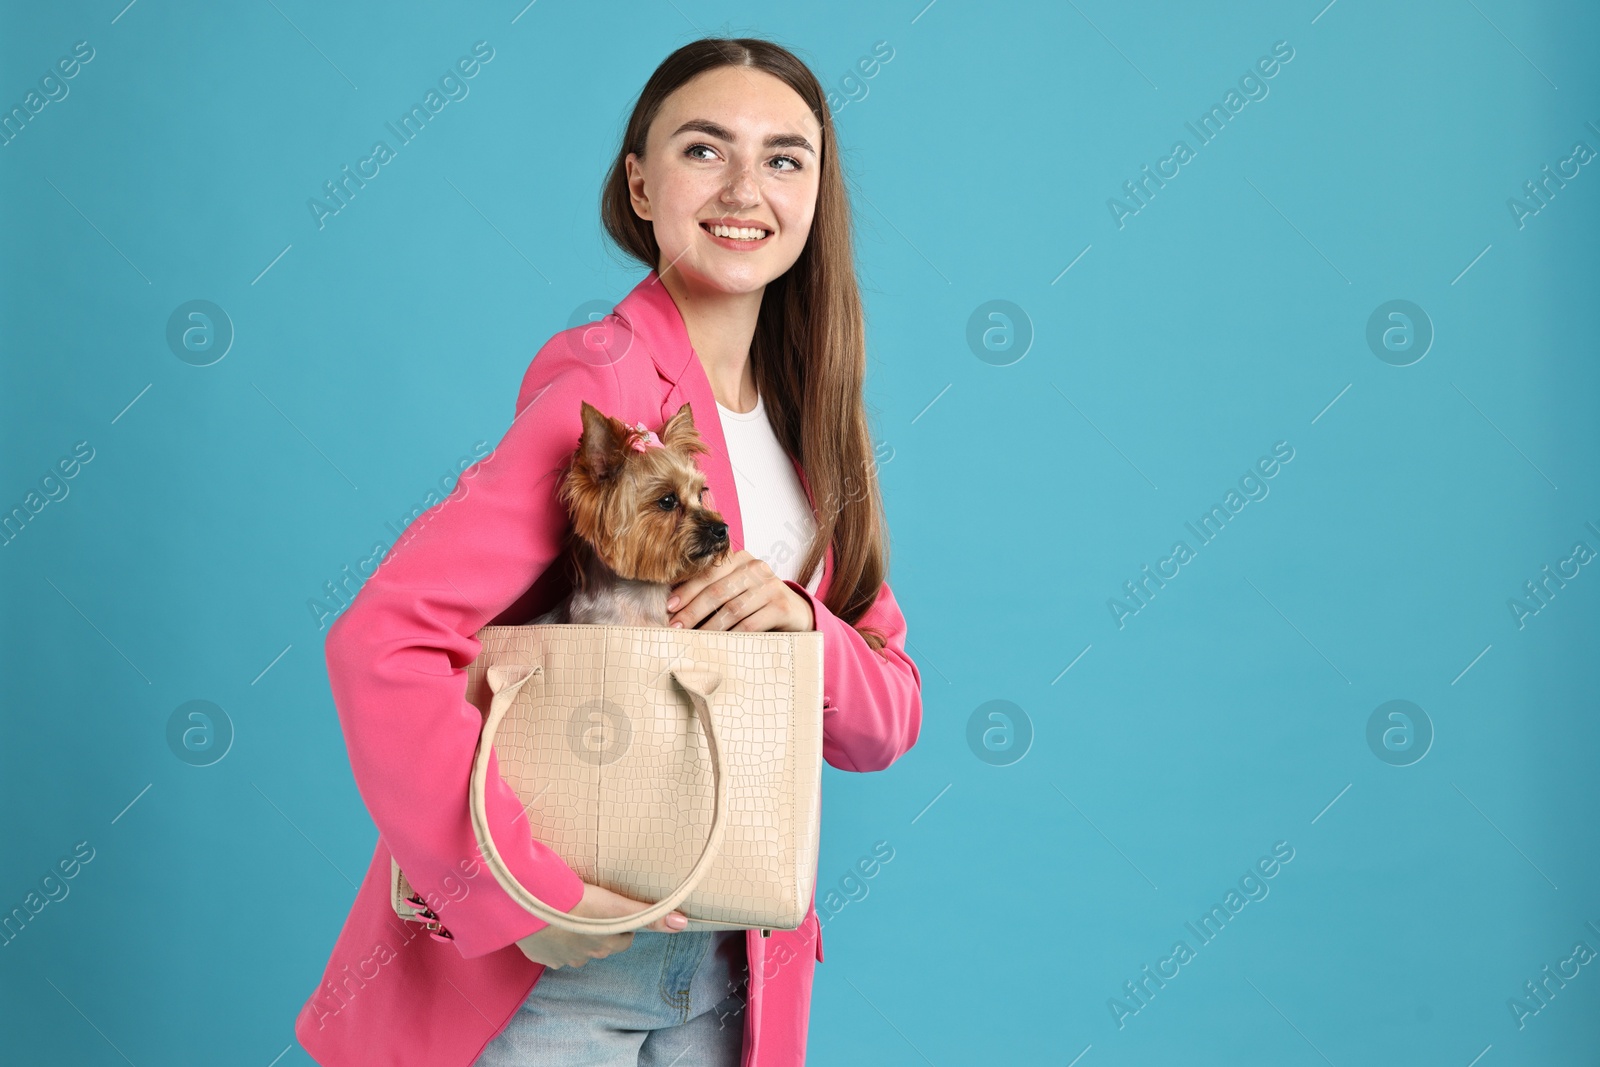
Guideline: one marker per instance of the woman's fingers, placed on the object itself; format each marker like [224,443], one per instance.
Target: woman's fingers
[740,605]
[689,588]
[693,599]
[763,619]
[761,605]
[611,943]
[601,903]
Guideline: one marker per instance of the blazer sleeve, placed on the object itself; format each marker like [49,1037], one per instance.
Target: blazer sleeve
[872,700]
[397,658]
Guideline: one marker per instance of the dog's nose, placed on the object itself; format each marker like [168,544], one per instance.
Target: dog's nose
[719,531]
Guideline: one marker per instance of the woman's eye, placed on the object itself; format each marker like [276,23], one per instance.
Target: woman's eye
[694,150]
[668,502]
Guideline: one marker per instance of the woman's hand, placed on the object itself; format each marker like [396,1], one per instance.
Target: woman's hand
[557,948]
[742,594]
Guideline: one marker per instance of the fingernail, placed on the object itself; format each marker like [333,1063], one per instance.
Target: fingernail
[677,922]
[672,603]
[677,626]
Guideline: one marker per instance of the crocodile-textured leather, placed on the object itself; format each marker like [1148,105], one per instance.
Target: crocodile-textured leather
[600,731]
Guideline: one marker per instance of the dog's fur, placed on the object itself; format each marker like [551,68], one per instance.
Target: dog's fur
[638,524]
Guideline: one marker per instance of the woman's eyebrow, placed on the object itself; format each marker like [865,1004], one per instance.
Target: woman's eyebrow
[776,140]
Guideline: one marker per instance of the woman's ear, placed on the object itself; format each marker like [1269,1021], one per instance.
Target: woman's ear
[636,193]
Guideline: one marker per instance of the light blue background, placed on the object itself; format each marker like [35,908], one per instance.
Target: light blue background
[1227,315]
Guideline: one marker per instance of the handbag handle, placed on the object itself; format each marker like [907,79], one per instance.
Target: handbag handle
[506,680]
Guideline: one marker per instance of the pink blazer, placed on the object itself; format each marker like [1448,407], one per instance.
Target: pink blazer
[394,995]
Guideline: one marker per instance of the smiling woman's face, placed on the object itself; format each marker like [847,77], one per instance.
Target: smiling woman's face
[734,146]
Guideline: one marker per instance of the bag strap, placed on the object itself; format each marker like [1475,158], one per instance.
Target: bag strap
[506,680]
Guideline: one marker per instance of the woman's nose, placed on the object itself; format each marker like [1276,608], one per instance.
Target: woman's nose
[742,189]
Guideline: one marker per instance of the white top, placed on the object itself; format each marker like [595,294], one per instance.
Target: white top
[778,526]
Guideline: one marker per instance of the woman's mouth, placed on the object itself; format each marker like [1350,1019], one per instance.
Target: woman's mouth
[739,238]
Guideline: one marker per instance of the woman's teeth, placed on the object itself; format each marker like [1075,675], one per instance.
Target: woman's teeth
[738,233]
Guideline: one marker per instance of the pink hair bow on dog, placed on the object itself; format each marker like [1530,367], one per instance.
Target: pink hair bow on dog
[641,438]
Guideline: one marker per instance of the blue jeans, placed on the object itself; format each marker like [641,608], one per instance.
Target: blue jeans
[668,1000]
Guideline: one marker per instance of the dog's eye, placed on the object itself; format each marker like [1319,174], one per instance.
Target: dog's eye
[668,502]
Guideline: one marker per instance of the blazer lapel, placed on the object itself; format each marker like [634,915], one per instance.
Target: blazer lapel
[655,322]
[653,317]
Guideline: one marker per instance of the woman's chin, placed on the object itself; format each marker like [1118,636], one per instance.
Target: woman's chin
[731,279]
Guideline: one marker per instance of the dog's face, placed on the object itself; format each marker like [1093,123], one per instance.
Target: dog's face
[639,504]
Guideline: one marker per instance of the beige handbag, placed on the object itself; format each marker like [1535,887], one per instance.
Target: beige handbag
[677,766]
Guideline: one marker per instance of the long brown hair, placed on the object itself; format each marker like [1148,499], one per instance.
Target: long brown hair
[809,350]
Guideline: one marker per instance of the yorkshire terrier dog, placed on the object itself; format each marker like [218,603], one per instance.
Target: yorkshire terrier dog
[638,524]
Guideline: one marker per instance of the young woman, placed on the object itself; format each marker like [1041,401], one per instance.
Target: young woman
[728,187]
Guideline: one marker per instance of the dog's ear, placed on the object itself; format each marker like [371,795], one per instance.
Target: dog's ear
[680,432]
[600,447]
